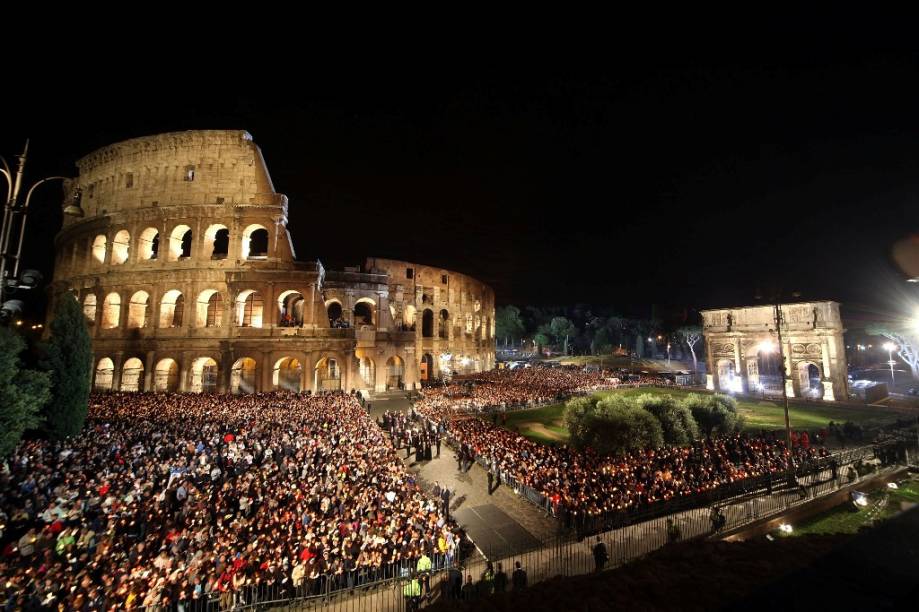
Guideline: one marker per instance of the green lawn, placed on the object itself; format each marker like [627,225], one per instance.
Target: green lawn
[882,504]
[759,415]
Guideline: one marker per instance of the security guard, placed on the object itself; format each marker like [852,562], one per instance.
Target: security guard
[412,594]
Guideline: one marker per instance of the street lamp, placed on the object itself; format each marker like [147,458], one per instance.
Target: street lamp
[890,347]
[10,279]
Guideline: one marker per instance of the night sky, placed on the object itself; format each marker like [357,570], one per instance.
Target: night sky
[684,180]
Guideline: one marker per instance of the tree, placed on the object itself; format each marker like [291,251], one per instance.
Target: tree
[23,393]
[562,329]
[542,338]
[508,324]
[691,334]
[612,425]
[715,414]
[68,358]
[905,341]
[679,426]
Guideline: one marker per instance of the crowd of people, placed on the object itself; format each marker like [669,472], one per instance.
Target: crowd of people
[581,482]
[169,499]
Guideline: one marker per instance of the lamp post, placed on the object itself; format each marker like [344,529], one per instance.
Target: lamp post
[778,329]
[889,347]
[9,279]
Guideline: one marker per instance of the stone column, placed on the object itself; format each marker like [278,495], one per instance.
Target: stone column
[149,371]
[788,373]
[185,364]
[312,313]
[266,367]
[383,315]
[116,375]
[739,371]
[349,308]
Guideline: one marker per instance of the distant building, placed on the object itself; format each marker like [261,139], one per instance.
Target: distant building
[188,278]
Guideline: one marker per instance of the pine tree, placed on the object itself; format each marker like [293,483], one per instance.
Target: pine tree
[68,359]
[22,393]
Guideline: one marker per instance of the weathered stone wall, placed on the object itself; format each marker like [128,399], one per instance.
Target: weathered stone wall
[234,312]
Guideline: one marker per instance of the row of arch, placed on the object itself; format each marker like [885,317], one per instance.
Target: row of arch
[287,374]
[178,244]
[764,374]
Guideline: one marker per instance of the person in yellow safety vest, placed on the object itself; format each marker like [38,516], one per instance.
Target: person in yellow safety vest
[412,593]
[424,570]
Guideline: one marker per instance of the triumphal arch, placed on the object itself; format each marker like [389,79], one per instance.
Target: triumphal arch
[743,355]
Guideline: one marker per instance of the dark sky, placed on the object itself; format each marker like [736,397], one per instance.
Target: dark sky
[682,179]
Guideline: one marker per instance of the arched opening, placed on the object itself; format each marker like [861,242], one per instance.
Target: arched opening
[443,321]
[426,367]
[327,375]
[180,243]
[249,309]
[765,373]
[218,238]
[287,375]
[468,324]
[99,248]
[132,375]
[290,309]
[242,376]
[149,244]
[335,311]
[255,242]
[111,311]
[367,370]
[809,380]
[203,375]
[209,309]
[105,374]
[476,306]
[408,318]
[427,323]
[121,244]
[363,313]
[395,372]
[166,376]
[172,309]
[137,310]
[89,309]
[727,380]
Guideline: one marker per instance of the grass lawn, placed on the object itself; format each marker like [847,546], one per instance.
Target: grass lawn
[622,361]
[882,504]
[547,424]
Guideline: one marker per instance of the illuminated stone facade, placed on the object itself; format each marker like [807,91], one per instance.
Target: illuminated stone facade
[189,280]
[738,340]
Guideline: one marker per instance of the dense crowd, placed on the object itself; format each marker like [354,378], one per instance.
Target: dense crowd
[582,482]
[167,499]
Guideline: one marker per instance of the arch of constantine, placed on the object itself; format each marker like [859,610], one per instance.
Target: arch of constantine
[742,352]
[188,278]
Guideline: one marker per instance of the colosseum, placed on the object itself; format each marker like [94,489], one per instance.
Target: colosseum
[189,280]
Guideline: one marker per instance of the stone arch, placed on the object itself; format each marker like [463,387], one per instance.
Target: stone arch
[180,243]
[172,309]
[99,248]
[250,309]
[469,323]
[408,317]
[809,377]
[204,375]
[132,375]
[427,323]
[335,311]
[137,310]
[363,312]
[209,309]
[105,375]
[728,378]
[243,376]
[148,245]
[290,308]
[427,367]
[395,372]
[255,242]
[327,374]
[367,370]
[121,245]
[166,376]
[287,374]
[443,323]
[89,308]
[217,238]
[111,311]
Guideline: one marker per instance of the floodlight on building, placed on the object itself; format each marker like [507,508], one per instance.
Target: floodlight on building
[767,346]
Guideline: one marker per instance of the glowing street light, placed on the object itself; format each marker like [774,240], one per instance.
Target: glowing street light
[890,347]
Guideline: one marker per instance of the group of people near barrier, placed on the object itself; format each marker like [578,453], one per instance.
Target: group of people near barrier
[169,500]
